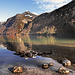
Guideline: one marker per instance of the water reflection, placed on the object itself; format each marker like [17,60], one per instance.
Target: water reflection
[29,46]
[24,49]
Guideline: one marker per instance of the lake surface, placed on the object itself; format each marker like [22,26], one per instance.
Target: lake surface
[50,49]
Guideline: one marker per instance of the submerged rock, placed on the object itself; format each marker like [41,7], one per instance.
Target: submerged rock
[22,55]
[63,70]
[66,62]
[40,53]
[17,69]
[34,53]
[29,54]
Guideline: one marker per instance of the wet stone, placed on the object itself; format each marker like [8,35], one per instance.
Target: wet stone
[45,66]
[66,62]
[40,53]
[63,70]
[17,69]
[22,55]
[29,55]
[34,53]
[17,53]
[51,64]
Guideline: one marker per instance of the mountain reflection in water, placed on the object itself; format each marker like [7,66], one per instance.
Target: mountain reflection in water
[45,46]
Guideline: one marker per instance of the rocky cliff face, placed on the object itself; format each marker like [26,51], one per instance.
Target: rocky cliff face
[0,23]
[60,22]
[17,23]
[14,24]
[29,14]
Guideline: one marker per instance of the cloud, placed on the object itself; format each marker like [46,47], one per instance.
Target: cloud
[49,5]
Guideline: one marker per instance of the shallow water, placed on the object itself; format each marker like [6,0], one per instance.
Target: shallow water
[53,49]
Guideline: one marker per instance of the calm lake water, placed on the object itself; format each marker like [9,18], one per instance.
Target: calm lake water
[50,49]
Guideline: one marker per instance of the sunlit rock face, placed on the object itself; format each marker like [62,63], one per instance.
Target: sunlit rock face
[15,24]
[18,23]
[60,22]
[29,14]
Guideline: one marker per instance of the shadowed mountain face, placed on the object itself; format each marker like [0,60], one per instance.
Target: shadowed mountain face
[60,22]
[63,19]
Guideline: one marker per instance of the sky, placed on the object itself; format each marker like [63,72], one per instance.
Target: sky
[9,8]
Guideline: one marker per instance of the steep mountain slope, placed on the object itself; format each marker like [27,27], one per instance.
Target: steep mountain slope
[0,23]
[2,27]
[29,14]
[17,23]
[60,22]
[14,24]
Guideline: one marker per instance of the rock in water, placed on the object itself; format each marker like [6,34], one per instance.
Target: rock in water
[22,55]
[63,70]
[66,62]
[45,66]
[51,64]
[17,69]
[29,55]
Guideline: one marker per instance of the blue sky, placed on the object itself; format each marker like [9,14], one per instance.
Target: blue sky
[9,8]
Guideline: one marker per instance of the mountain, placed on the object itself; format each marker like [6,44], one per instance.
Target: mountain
[29,14]
[1,24]
[60,22]
[17,23]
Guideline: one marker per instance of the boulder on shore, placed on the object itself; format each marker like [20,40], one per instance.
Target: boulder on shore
[17,69]
[45,66]
[66,62]
[63,70]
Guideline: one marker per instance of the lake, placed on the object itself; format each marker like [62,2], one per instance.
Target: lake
[49,49]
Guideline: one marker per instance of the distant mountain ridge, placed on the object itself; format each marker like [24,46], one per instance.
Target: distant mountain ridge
[60,22]
[15,24]
[1,24]
[29,14]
